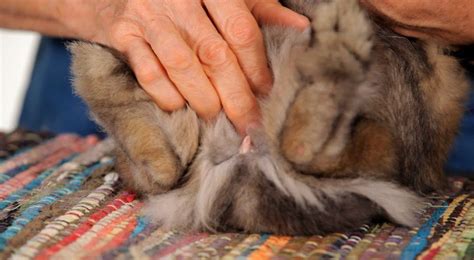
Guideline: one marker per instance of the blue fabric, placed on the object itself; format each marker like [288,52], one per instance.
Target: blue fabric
[50,104]
[461,159]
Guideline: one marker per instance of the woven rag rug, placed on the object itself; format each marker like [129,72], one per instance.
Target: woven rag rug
[60,198]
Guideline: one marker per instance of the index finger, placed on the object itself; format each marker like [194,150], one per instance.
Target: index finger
[239,28]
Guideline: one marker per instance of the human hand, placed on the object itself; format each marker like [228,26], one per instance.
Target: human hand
[207,53]
[443,20]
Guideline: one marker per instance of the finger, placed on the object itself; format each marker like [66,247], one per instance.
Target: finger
[220,65]
[239,28]
[271,12]
[152,77]
[183,67]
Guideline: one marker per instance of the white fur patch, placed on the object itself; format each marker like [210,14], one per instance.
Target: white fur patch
[400,204]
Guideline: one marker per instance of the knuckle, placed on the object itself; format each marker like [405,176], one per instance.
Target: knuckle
[157,20]
[213,52]
[242,30]
[153,23]
[177,59]
[119,30]
[116,32]
[147,74]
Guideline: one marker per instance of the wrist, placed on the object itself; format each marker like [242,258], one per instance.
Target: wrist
[77,17]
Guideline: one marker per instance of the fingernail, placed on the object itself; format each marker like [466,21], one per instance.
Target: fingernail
[266,85]
[303,22]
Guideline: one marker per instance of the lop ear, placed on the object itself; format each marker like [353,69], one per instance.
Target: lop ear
[100,76]
[154,146]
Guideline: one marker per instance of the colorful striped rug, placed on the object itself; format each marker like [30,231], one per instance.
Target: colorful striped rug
[60,198]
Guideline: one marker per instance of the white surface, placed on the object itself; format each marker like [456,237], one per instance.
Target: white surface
[17,52]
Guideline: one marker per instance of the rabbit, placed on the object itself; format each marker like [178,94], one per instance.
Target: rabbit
[357,127]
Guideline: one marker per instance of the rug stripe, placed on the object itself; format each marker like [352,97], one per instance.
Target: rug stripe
[117,203]
[85,205]
[33,210]
[419,241]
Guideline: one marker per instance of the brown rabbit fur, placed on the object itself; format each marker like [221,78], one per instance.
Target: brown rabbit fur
[356,117]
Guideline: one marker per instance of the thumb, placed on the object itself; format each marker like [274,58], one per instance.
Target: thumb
[273,13]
